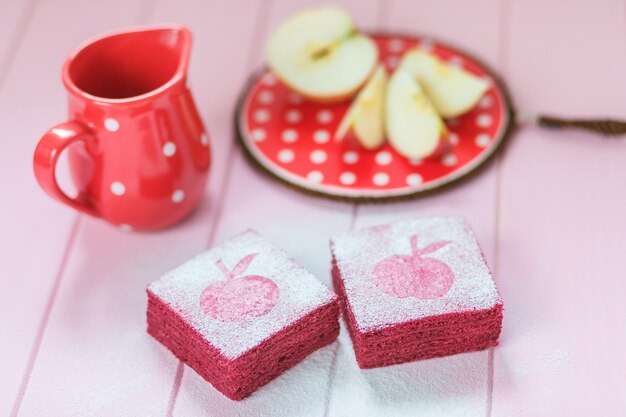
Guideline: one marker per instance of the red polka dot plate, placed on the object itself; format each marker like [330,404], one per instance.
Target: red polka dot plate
[292,138]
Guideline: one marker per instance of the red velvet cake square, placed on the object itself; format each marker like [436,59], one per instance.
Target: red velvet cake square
[415,290]
[241,313]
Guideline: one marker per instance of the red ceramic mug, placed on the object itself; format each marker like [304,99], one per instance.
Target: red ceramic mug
[145,155]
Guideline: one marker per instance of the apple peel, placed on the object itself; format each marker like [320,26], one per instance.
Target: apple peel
[452,90]
[366,115]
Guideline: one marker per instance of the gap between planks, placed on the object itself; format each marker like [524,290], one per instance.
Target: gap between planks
[502,72]
[15,43]
[46,314]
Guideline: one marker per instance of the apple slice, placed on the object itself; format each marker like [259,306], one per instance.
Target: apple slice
[320,54]
[365,117]
[414,127]
[453,91]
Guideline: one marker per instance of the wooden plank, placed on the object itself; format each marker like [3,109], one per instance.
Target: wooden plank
[95,357]
[35,229]
[301,225]
[457,385]
[15,17]
[563,227]
[14,21]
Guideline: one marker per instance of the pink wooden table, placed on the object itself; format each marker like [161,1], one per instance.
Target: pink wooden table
[550,214]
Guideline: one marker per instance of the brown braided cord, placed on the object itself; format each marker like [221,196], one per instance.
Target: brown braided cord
[606,127]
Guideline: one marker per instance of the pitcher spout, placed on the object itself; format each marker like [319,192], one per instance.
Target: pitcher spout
[174,40]
[130,64]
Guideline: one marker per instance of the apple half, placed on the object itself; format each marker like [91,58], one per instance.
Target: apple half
[453,91]
[414,127]
[365,116]
[320,54]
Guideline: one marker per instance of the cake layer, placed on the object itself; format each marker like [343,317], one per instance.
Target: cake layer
[237,373]
[417,340]
[239,377]
[442,348]
[309,326]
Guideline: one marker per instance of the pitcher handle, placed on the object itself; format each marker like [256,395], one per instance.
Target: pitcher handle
[46,156]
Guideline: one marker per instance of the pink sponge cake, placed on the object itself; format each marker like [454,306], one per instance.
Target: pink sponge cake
[241,314]
[415,290]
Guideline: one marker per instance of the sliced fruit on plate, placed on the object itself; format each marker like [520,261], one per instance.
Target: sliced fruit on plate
[365,116]
[453,91]
[320,54]
[414,128]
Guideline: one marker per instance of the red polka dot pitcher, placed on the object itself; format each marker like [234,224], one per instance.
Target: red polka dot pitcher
[142,155]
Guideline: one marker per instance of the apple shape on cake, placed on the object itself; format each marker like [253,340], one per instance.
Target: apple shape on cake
[415,290]
[241,314]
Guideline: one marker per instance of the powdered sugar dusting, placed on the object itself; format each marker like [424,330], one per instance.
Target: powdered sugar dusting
[359,254]
[298,293]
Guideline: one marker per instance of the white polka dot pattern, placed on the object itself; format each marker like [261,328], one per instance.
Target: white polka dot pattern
[169,149]
[265,97]
[414,179]
[482,140]
[380,179]
[293,116]
[111,125]
[318,156]
[262,116]
[483,120]
[324,116]
[117,188]
[178,196]
[259,135]
[315,177]
[286,156]
[321,136]
[449,160]
[383,158]
[351,157]
[290,135]
[347,178]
